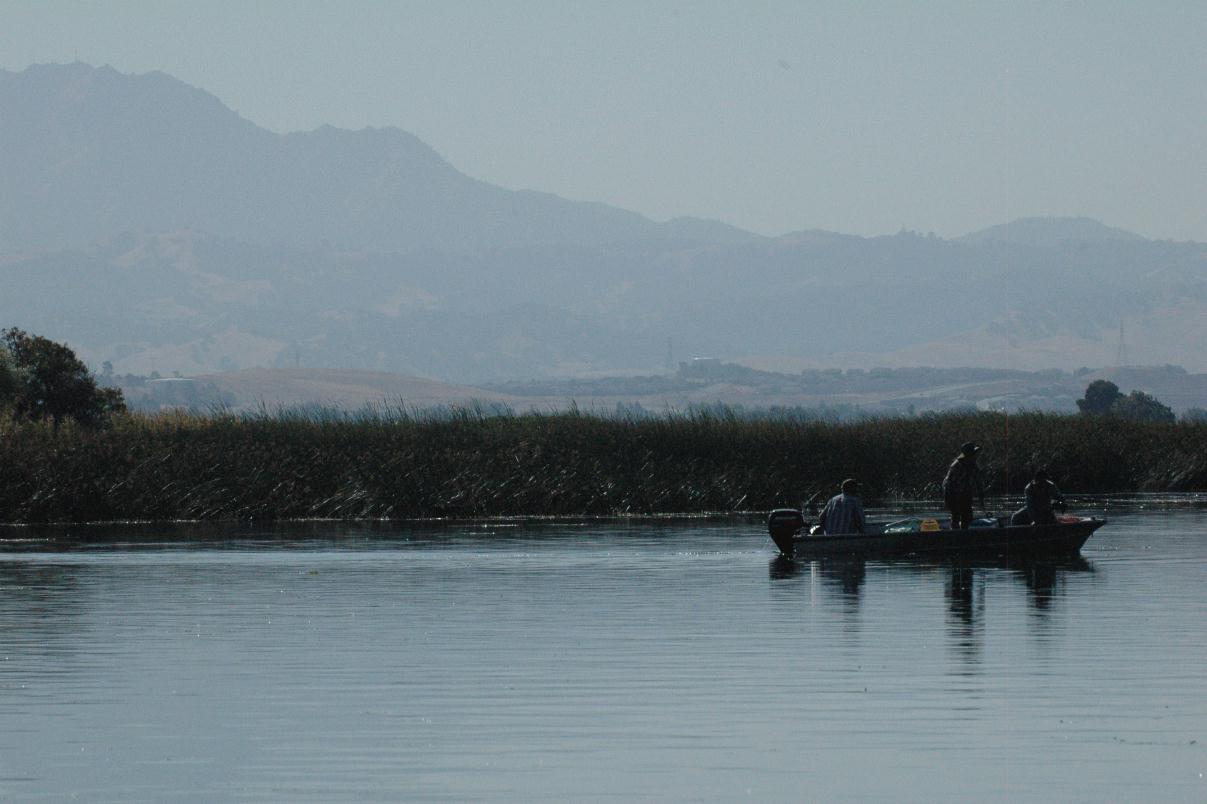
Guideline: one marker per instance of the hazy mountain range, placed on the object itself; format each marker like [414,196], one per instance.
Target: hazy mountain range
[149,225]
[87,153]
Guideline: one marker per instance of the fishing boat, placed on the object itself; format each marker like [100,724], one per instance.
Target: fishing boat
[995,537]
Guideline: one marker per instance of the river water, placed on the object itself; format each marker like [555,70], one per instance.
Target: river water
[555,662]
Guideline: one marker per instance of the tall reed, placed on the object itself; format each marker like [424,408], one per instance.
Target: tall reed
[473,462]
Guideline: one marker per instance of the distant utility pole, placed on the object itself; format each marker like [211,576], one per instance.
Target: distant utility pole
[1121,353]
[670,358]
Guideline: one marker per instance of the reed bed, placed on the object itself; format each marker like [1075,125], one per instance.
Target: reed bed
[475,462]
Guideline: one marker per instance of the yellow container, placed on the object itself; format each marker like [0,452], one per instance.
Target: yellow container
[929,525]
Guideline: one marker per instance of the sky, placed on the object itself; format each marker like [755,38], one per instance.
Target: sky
[858,117]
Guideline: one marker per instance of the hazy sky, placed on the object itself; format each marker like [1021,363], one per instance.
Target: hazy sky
[775,116]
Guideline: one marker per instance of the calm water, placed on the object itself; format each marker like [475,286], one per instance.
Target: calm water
[554,662]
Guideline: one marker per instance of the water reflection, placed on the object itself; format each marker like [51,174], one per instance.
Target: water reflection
[1044,579]
[963,584]
[846,576]
[41,609]
[966,615]
[633,661]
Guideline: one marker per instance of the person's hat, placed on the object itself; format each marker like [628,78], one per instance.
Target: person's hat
[969,448]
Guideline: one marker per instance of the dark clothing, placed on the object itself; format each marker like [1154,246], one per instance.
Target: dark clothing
[963,477]
[1042,497]
[962,481]
[843,514]
[960,506]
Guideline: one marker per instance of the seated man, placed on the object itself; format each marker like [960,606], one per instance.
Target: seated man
[843,512]
[1042,497]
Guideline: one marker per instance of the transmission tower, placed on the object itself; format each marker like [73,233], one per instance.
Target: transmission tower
[1121,353]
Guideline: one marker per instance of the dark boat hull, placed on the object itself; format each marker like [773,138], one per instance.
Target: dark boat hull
[1061,538]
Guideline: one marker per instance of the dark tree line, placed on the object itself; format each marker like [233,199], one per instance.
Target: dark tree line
[1103,398]
[41,379]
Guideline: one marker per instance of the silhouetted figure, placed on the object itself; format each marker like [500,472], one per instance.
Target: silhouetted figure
[963,480]
[843,512]
[1042,498]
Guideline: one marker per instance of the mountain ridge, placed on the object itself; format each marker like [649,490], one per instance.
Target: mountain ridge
[88,152]
[1051,231]
[196,303]
[145,246]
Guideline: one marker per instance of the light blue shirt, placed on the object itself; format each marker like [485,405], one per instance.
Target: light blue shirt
[843,514]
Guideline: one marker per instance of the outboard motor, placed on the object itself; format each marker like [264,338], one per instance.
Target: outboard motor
[783,524]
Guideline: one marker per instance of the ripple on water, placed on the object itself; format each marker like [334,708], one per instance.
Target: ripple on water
[634,661]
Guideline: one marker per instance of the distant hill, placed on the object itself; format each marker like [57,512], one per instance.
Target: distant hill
[1048,232]
[87,153]
[346,389]
[848,392]
[198,303]
[860,391]
[149,226]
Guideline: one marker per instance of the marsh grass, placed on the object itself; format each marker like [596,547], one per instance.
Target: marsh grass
[483,462]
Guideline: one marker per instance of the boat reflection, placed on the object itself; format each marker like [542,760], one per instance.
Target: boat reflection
[965,614]
[1041,576]
[843,583]
[963,579]
[847,575]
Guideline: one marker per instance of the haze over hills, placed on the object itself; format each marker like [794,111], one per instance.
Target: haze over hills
[150,226]
[347,389]
[89,152]
[1051,232]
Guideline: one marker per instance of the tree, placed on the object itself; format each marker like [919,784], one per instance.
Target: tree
[10,378]
[1141,407]
[55,384]
[1103,398]
[1100,397]
[1194,415]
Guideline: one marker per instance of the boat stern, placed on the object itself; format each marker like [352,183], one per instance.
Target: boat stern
[783,524]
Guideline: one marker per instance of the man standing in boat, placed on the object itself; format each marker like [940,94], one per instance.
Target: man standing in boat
[843,512]
[962,481]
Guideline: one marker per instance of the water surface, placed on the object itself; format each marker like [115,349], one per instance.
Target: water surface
[595,662]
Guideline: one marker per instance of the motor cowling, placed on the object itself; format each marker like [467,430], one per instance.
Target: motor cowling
[783,524]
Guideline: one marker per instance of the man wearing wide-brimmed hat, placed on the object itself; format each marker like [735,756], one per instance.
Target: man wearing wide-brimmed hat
[962,481]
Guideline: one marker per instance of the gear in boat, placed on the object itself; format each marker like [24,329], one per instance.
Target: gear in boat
[989,536]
